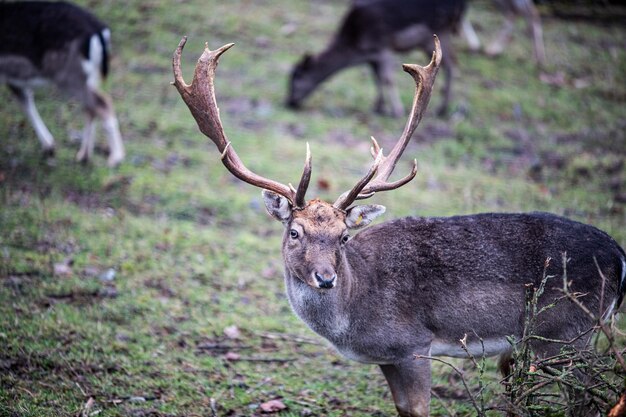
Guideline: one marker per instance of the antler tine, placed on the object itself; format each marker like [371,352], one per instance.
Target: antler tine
[424,79]
[304,180]
[348,197]
[200,99]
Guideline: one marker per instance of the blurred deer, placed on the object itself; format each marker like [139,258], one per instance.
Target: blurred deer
[416,285]
[370,33]
[373,30]
[59,43]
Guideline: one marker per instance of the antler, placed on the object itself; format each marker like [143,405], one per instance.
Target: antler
[383,166]
[200,99]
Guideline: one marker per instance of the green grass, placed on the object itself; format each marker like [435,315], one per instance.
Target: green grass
[192,248]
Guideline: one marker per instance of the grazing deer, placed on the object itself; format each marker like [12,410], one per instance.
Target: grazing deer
[416,286]
[511,9]
[63,44]
[370,33]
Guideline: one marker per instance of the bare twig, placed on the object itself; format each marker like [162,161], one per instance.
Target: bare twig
[290,337]
[449,410]
[532,390]
[85,411]
[598,319]
[262,359]
[27,391]
[479,366]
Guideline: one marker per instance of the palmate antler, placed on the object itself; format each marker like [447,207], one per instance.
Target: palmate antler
[200,99]
[382,167]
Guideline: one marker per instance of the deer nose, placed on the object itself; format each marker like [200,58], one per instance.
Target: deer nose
[325,281]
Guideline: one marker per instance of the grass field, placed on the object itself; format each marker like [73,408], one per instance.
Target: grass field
[155,289]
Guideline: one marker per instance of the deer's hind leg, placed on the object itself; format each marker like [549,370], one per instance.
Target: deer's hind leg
[533,21]
[388,100]
[447,65]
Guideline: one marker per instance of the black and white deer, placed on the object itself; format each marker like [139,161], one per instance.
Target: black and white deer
[416,286]
[59,43]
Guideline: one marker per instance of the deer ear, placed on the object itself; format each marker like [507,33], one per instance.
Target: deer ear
[277,206]
[360,216]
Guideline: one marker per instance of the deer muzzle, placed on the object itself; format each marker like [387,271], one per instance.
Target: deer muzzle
[325,280]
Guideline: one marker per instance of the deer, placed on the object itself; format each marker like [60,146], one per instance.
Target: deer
[62,44]
[373,30]
[397,292]
[370,33]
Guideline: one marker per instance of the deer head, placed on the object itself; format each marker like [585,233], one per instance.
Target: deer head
[316,232]
[302,81]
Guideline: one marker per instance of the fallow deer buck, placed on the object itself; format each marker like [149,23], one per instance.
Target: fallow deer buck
[60,43]
[416,286]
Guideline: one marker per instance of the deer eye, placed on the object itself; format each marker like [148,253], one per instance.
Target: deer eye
[344,239]
[293,233]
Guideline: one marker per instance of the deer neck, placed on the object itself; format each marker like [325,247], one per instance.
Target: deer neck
[334,58]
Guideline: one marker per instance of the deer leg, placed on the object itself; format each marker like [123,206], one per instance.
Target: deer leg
[85,152]
[388,98]
[533,21]
[505,362]
[470,34]
[503,38]
[379,104]
[100,105]
[26,99]
[447,64]
[410,382]
[398,391]
[537,34]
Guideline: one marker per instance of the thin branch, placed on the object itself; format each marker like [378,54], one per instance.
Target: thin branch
[289,337]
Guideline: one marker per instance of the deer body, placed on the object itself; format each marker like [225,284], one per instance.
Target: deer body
[423,282]
[62,44]
[416,286]
[371,32]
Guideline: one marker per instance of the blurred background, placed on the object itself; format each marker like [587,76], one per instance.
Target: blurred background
[155,288]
